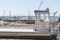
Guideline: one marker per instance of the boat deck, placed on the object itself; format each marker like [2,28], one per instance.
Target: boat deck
[22,34]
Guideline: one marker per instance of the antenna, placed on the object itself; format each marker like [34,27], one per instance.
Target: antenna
[40,5]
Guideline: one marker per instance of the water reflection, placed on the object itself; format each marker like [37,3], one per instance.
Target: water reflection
[20,39]
[16,39]
[58,37]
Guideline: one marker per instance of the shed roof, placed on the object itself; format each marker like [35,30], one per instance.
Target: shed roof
[41,11]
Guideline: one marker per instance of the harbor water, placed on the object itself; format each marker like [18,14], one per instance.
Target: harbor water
[58,37]
[16,39]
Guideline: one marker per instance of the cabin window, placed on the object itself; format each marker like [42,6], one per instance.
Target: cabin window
[42,16]
[46,16]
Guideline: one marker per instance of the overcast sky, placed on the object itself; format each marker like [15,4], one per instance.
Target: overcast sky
[21,7]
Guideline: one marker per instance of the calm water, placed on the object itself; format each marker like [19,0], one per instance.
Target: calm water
[16,39]
[20,39]
[58,37]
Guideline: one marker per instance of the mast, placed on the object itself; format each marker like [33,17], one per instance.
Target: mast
[29,15]
[9,13]
[4,13]
[9,16]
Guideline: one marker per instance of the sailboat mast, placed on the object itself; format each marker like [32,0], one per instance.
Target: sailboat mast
[29,15]
[9,13]
[4,13]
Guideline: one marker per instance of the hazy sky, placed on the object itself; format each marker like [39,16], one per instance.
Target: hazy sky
[21,7]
